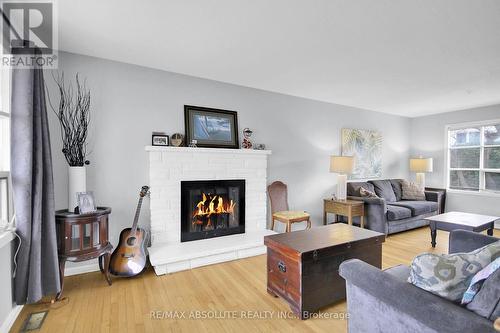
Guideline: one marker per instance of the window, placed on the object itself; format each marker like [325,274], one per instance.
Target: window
[4,147]
[474,157]
[4,203]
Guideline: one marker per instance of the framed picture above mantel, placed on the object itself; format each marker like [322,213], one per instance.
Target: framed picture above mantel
[211,128]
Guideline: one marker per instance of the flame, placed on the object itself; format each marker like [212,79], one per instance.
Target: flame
[216,205]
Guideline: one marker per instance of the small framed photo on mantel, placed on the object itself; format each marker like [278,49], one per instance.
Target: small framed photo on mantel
[211,128]
[160,139]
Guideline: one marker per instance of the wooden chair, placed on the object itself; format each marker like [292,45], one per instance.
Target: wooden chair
[278,195]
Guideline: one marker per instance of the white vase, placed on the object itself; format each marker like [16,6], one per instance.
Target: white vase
[77,182]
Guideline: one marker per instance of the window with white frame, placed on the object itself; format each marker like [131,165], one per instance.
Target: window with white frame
[474,157]
[4,147]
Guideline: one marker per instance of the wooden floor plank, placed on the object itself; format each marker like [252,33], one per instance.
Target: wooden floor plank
[127,305]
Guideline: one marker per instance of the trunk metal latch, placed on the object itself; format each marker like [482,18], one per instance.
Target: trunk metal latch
[282,266]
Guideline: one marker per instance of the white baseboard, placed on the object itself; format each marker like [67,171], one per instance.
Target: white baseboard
[68,271]
[11,318]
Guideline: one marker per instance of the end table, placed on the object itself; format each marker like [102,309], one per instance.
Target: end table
[83,237]
[349,208]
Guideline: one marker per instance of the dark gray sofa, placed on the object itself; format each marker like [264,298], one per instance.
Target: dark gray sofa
[389,213]
[383,301]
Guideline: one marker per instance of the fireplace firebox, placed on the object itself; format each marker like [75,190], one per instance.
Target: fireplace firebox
[212,208]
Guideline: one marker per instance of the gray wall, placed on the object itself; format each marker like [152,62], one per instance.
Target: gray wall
[428,139]
[129,102]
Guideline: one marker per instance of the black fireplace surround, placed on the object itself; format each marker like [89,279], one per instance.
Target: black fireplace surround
[212,208]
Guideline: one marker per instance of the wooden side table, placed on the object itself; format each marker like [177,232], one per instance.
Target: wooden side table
[349,208]
[83,237]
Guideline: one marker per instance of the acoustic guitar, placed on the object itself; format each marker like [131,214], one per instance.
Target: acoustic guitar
[129,257]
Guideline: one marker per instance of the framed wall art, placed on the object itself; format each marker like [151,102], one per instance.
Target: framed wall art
[366,147]
[213,128]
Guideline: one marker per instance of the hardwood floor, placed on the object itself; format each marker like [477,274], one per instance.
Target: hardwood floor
[128,304]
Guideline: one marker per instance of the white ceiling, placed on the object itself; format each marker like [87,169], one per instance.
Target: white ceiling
[403,57]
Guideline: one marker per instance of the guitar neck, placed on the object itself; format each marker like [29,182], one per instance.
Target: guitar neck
[136,218]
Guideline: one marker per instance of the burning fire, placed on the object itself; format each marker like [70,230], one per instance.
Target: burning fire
[202,209]
[211,205]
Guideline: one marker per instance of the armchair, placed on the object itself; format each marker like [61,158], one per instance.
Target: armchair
[383,301]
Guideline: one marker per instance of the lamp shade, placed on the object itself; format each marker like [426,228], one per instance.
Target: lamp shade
[421,164]
[341,164]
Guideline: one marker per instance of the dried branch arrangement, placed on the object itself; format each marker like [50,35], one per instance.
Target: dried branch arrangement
[73,113]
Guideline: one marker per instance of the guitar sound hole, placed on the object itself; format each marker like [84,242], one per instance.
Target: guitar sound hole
[131,241]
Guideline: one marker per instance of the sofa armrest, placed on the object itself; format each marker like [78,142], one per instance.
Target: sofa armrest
[432,196]
[466,241]
[437,197]
[375,213]
[411,303]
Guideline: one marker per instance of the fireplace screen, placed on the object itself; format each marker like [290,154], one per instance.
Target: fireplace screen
[212,208]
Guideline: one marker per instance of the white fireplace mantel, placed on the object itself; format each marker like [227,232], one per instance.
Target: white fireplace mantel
[168,166]
[208,150]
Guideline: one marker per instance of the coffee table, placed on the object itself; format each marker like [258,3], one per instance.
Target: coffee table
[458,220]
[302,266]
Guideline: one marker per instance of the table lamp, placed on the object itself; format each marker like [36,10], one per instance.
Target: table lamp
[421,166]
[342,165]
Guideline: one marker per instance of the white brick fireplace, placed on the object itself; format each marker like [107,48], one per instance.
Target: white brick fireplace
[168,166]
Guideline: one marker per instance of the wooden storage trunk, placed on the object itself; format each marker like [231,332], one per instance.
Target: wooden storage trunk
[302,266]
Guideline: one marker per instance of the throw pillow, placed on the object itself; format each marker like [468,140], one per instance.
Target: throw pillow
[449,275]
[478,280]
[411,191]
[353,188]
[384,190]
[486,302]
[366,193]
[396,186]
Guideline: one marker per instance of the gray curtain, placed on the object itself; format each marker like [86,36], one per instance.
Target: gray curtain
[33,189]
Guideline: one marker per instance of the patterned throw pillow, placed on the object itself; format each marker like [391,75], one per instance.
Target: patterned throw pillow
[478,280]
[486,302]
[366,193]
[411,191]
[449,275]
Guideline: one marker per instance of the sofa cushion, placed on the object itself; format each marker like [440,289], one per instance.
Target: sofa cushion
[367,194]
[353,188]
[486,302]
[383,188]
[412,191]
[400,272]
[406,224]
[448,275]
[396,213]
[418,207]
[396,186]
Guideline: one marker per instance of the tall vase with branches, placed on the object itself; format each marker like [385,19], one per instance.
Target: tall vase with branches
[73,113]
